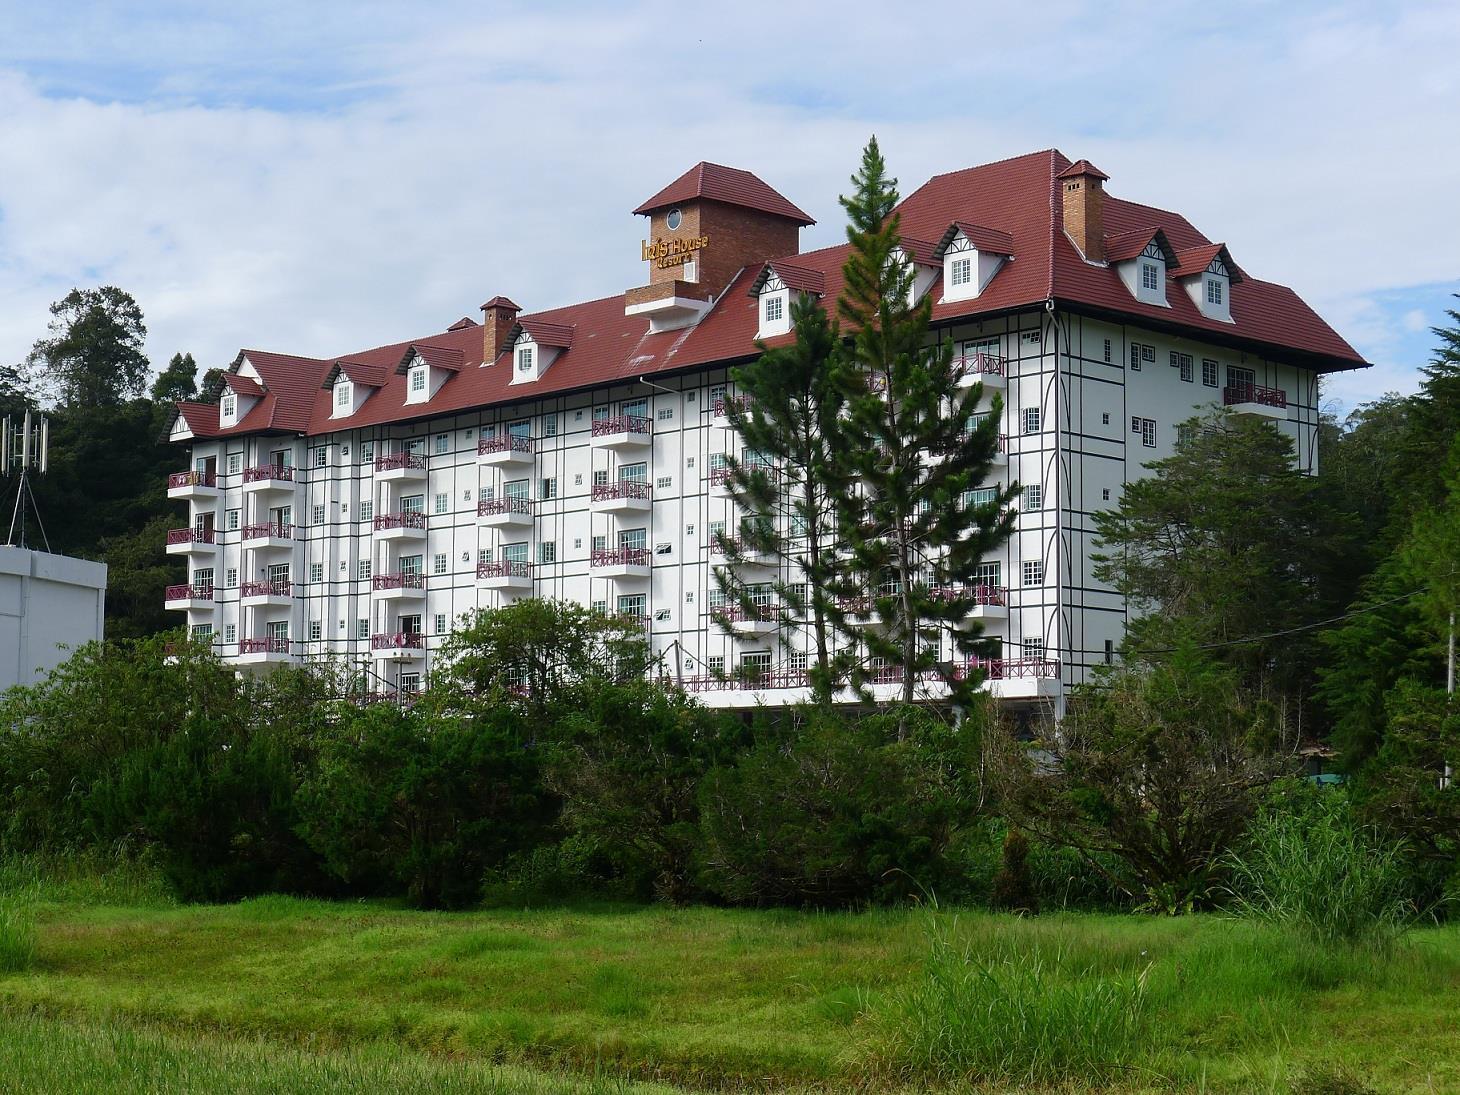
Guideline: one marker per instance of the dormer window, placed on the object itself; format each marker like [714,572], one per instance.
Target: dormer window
[229,405]
[1215,292]
[775,307]
[342,395]
[1150,277]
[971,255]
[418,381]
[960,272]
[524,359]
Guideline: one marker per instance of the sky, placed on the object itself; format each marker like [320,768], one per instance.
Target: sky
[317,178]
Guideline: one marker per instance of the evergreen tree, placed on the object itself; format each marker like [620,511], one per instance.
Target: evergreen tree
[178,381]
[93,357]
[789,416]
[920,447]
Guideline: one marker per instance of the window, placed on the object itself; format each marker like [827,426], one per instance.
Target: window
[1105,419]
[418,380]
[231,519]
[321,457]
[1033,572]
[316,572]
[1109,651]
[229,405]
[632,604]
[1148,353]
[756,661]
[230,577]
[663,482]
[362,629]
[235,461]
[524,359]
[1214,291]
[665,548]
[547,488]
[517,488]
[716,397]
[443,443]
[633,539]
[1148,432]
[634,408]
[1150,276]
[547,551]
[1030,419]
[1209,372]
[961,271]
[410,682]
[484,555]
[1033,497]
[1185,433]
[715,663]
[316,631]
[665,414]
[1135,357]
[515,553]
[600,476]
[633,473]
[438,563]
[988,574]
[1105,495]
[981,496]
[550,425]
[441,623]
[364,571]
[367,511]
[1183,363]
[342,394]
[600,543]
[230,633]
[442,503]
[316,513]
[774,307]
[599,607]
[1107,349]
[367,452]
[1033,649]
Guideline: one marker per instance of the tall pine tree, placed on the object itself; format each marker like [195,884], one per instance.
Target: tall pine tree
[790,416]
[920,446]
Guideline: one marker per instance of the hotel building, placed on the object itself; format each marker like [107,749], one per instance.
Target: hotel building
[356,506]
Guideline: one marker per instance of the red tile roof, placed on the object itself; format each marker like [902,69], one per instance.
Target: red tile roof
[730,185]
[1129,245]
[1195,260]
[1082,167]
[985,239]
[369,376]
[1018,198]
[434,355]
[502,302]
[801,278]
[921,251]
[243,385]
[464,321]
[558,335]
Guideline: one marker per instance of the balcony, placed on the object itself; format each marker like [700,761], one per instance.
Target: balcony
[718,477]
[191,541]
[621,563]
[400,646]
[268,477]
[400,466]
[395,586]
[401,526]
[505,512]
[505,449]
[280,591]
[988,602]
[625,496]
[1019,678]
[623,431]
[1000,456]
[723,548]
[756,620]
[192,485]
[189,597]
[271,651]
[724,402]
[267,536]
[985,369]
[507,575]
[1256,400]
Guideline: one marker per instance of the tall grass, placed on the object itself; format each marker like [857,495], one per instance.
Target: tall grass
[1321,872]
[17,931]
[1011,1014]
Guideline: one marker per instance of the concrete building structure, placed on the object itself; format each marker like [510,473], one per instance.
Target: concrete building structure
[49,606]
[358,505]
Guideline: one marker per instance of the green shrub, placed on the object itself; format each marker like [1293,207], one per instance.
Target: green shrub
[17,932]
[1011,1016]
[1310,865]
[1013,885]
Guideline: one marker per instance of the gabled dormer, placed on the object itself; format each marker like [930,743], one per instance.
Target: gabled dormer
[350,384]
[1207,274]
[971,255]
[242,389]
[535,346]
[925,266]
[773,290]
[426,369]
[1141,258]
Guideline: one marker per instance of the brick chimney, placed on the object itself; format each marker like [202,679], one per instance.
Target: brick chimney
[1082,187]
[498,316]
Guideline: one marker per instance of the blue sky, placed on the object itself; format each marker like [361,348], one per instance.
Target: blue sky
[321,177]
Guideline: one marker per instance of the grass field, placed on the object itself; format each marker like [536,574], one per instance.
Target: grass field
[281,994]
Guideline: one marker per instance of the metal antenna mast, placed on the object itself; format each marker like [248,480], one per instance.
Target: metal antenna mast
[24,447]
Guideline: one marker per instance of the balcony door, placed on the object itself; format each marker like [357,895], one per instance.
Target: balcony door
[277,575]
[411,564]
[281,516]
[411,625]
[633,473]
[282,458]
[514,553]
[1241,379]
[633,539]
[520,429]
[203,522]
[277,629]
[206,465]
[413,503]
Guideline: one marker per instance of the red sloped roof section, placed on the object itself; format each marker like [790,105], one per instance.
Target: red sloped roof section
[559,335]
[1081,167]
[242,385]
[730,185]
[1195,260]
[803,279]
[201,418]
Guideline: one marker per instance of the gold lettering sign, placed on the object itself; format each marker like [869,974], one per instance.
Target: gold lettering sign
[666,253]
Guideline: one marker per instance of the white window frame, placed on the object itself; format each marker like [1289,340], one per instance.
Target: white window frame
[1031,573]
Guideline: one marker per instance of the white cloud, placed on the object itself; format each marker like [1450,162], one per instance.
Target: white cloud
[321,178]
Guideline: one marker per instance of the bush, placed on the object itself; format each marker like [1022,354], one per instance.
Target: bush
[1013,885]
[1310,865]
[1013,1016]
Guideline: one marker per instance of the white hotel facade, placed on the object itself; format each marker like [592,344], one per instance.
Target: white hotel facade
[356,507]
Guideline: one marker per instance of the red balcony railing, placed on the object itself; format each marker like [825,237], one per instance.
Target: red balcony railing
[1002,669]
[186,592]
[190,536]
[763,679]
[284,473]
[491,507]
[400,520]
[398,581]
[980,364]
[742,614]
[978,594]
[279,587]
[504,442]
[191,479]
[620,423]
[504,569]
[269,529]
[393,461]
[624,488]
[723,402]
[1254,393]
[401,640]
[263,646]
[631,557]
[719,475]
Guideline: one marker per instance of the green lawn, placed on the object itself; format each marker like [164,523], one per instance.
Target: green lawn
[312,993]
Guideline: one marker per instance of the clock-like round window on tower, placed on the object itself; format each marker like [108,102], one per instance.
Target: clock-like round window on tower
[674,220]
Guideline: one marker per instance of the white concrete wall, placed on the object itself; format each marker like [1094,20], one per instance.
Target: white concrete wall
[49,605]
